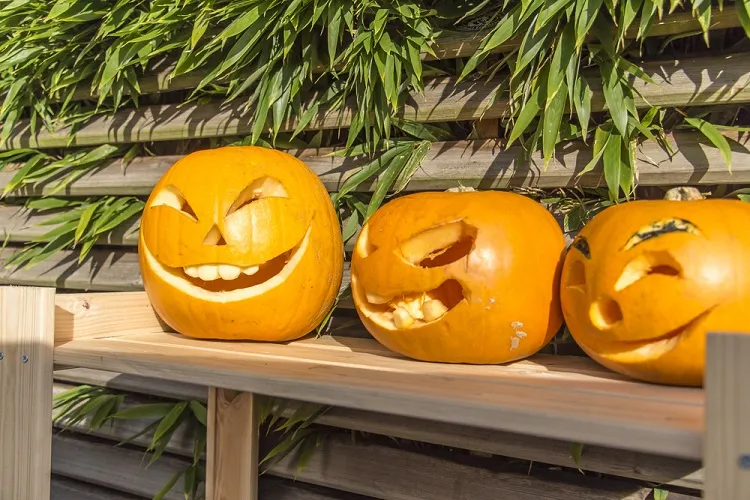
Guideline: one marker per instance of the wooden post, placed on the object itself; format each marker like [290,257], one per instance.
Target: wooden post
[726,455]
[27,336]
[232,448]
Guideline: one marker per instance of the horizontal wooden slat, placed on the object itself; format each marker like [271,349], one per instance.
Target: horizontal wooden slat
[18,224]
[720,79]
[102,270]
[653,468]
[67,489]
[584,402]
[448,45]
[482,164]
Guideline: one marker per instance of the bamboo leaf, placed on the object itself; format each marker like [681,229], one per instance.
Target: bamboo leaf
[613,165]
[614,96]
[713,135]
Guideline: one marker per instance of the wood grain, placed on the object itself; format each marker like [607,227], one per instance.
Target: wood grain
[727,444]
[690,82]
[547,401]
[26,340]
[481,164]
[232,446]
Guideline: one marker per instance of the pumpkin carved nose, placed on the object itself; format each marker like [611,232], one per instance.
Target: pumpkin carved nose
[214,237]
[605,313]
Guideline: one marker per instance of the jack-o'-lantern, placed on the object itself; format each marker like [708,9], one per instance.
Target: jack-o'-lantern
[644,281]
[459,277]
[240,243]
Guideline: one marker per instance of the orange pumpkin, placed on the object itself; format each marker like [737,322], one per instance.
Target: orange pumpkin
[461,277]
[240,243]
[644,281]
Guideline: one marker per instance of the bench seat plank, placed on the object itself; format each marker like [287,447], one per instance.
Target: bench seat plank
[543,397]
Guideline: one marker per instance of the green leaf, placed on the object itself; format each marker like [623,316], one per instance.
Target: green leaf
[424,131]
[614,95]
[613,165]
[351,226]
[743,13]
[582,95]
[199,411]
[170,420]
[529,111]
[576,450]
[386,180]
[83,222]
[660,494]
[168,487]
[586,13]
[416,158]
[601,140]
[713,135]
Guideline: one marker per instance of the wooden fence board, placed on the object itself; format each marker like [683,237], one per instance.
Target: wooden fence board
[482,164]
[715,80]
[67,489]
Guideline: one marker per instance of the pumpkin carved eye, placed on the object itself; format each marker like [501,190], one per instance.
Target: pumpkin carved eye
[265,187]
[646,264]
[439,246]
[171,197]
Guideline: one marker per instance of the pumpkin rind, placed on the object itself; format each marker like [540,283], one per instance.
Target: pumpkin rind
[656,276]
[502,286]
[300,225]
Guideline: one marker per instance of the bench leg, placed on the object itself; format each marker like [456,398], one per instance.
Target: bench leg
[726,445]
[232,447]
[27,335]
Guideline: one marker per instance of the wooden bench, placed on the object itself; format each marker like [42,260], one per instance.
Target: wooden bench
[545,396]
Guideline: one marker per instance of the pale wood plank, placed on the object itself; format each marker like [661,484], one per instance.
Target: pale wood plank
[645,467]
[727,443]
[26,340]
[232,446]
[597,410]
[481,164]
[692,82]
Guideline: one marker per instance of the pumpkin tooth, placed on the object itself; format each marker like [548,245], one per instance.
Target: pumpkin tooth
[208,272]
[412,306]
[433,309]
[229,272]
[250,270]
[401,318]
[374,298]
[191,271]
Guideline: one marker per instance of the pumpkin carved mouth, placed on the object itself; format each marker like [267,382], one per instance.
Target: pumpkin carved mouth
[228,283]
[413,309]
[660,345]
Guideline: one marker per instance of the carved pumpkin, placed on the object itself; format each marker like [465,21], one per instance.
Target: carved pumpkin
[240,243]
[460,277]
[644,281]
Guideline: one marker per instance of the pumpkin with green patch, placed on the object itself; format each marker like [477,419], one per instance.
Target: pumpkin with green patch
[643,282]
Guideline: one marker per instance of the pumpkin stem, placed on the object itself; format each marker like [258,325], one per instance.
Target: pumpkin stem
[683,193]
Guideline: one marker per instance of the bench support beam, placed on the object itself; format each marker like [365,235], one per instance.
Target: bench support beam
[232,447]
[727,439]
[27,335]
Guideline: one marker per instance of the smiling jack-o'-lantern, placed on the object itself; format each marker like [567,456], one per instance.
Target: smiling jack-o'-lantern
[644,281]
[463,277]
[240,243]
